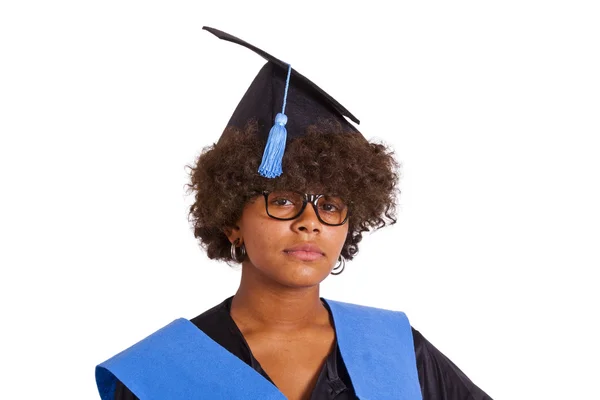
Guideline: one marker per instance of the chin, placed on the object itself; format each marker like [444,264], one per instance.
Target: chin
[302,274]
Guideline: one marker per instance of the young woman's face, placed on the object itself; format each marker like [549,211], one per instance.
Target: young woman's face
[296,253]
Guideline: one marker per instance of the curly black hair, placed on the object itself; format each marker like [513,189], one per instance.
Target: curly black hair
[325,160]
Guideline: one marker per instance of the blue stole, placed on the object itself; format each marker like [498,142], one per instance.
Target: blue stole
[181,362]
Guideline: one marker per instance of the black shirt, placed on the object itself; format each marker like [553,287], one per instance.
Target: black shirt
[439,378]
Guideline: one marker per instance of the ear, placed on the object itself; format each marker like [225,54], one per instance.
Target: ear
[232,233]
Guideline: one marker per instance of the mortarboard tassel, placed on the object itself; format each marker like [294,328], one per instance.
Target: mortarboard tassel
[270,166]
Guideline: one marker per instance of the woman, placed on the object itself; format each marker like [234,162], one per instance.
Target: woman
[290,204]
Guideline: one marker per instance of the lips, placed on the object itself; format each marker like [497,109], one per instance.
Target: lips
[305,252]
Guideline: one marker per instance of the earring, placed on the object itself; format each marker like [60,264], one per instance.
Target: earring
[234,255]
[339,268]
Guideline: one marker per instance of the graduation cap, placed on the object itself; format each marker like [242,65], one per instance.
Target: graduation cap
[282,99]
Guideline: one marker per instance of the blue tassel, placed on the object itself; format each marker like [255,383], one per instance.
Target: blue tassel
[271,162]
[270,167]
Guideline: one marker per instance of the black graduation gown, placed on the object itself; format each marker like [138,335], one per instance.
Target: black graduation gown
[439,378]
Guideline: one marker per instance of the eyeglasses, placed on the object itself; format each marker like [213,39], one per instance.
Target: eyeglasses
[287,205]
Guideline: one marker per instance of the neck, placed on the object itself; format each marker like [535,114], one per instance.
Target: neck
[263,304]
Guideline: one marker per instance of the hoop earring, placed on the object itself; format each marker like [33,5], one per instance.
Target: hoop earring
[234,255]
[341,265]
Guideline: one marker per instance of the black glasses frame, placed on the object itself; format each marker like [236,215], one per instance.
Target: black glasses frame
[306,198]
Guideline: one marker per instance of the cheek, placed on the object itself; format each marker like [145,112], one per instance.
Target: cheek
[262,239]
[340,235]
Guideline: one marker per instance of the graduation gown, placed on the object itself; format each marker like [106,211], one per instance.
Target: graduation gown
[438,377]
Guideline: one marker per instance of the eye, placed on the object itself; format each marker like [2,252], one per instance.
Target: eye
[282,201]
[329,207]
[331,204]
[285,199]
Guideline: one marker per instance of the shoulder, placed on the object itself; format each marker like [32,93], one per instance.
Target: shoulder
[440,378]
[215,322]
[209,316]
[160,346]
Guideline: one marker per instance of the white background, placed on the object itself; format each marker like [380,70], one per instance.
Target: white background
[493,110]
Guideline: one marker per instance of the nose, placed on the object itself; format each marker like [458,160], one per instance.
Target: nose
[308,220]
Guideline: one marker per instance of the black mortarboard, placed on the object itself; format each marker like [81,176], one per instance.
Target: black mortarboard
[278,86]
